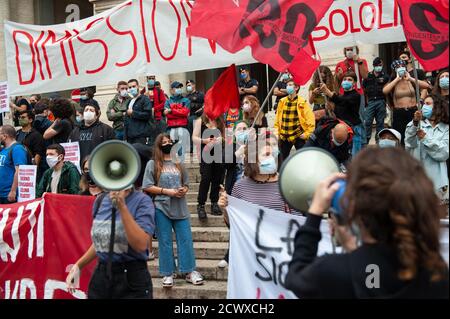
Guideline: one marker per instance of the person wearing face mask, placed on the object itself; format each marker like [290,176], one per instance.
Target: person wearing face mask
[294,122]
[158,99]
[92,132]
[441,86]
[33,141]
[177,110]
[87,97]
[61,128]
[20,104]
[401,92]
[250,108]
[352,63]
[197,99]
[139,121]
[376,101]
[421,75]
[334,136]
[247,85]
[429,142]
[87,185]
[62,177]
[389,137]
[168,182]
[347,108]
[397,230]
[12,155]
[316,97]
[280,89]
[117,109]
[41,122]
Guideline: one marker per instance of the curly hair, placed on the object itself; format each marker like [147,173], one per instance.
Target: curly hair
[390,195]
[250,116]
[62,108]
[328,80]
[440,108]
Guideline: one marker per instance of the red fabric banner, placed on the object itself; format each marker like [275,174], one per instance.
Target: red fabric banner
[223,95]
[39,241]
[425,23]
[277,30]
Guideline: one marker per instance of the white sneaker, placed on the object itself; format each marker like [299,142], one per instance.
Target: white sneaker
[167,282]
[222,264]
[195,278]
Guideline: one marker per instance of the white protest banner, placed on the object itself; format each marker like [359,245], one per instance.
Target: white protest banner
[27,182]
[72,153]
[354,22]
[4,97]
[134,38]
[261,247]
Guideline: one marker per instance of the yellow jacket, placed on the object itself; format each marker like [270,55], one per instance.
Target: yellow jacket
[305,114]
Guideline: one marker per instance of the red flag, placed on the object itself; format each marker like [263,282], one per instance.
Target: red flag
[224,94]
[425,24]
[276,30]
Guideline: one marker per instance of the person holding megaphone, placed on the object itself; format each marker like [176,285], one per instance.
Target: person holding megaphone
[388,222]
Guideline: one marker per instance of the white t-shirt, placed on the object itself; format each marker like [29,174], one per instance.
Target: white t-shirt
[130,106]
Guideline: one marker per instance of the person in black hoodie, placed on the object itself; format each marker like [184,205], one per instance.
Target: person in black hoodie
[347,108]
[393,204]
[92,132]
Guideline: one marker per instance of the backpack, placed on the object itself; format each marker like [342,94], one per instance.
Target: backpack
[29,156]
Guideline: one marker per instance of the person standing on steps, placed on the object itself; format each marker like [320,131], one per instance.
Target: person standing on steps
[168,183]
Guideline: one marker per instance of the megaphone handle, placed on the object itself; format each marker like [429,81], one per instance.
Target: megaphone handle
[114,202]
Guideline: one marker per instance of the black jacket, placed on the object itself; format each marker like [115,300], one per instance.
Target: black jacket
[322,138]
[90,137]
[345,275]
[41,123]
[347,107]
[140,123]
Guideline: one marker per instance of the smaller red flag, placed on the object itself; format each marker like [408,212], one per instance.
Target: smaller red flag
[223,95]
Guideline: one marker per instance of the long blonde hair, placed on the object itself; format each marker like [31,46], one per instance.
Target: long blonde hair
[250,116]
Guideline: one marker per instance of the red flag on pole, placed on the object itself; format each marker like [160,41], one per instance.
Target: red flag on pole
[276,30]
[425,24]
[223,95]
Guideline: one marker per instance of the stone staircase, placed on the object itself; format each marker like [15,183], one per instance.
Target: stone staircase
[210,245]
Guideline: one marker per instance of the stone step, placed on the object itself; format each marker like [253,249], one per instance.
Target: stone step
[210,234]
[185,290]
[202,250]
[211,221]
[192,207]
[208,269]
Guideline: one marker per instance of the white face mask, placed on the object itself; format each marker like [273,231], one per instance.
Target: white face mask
[124,93]
[247,107]
[349,54]
[89,116]
[52,161]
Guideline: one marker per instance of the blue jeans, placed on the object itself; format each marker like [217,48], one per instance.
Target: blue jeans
[185,246]
[358,134]
[375,109]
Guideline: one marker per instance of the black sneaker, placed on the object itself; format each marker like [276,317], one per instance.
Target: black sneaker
[201,212]
[215,209]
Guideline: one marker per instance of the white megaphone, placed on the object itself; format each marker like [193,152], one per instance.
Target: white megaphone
[114,165]
[301,173]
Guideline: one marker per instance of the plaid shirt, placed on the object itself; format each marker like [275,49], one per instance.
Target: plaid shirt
[290,129]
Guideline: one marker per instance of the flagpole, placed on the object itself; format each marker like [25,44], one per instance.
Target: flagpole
[266,100]
[358,77]
[416,81]
[321,82]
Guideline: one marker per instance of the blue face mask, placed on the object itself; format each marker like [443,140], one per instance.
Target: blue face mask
[189,88]
[151,83]
[443,83]
[387,143]
[290,89]
[401,71]
[347,85]
[268,166]
[378,69]
[243,76]
[427,111]
[284,77]
[133,91]
[242,137]
[178,92]
[83,97]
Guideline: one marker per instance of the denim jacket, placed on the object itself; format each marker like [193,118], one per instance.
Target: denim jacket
[432,150]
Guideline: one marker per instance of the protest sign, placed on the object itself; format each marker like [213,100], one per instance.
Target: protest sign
[72,150]
[27,182]
[4,98]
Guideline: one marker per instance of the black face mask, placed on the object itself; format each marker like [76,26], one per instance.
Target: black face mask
[89,179]
[166,148]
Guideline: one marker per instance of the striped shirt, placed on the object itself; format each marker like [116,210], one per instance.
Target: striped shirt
[262,194]
[290,129]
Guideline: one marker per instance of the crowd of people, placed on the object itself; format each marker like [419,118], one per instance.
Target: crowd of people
[337,116]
